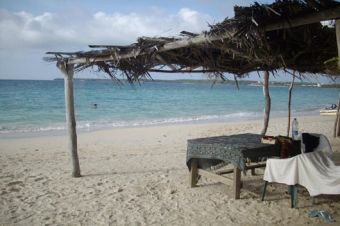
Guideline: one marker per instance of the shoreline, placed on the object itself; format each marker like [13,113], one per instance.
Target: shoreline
[277,126]
[219,119]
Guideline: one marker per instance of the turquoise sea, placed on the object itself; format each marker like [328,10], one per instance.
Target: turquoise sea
[37,106]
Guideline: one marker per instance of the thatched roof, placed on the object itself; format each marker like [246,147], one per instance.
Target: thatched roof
[283,35]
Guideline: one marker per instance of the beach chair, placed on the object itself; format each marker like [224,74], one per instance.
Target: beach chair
[314,170]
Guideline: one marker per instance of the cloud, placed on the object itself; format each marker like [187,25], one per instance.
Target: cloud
[125,28]
[51,30]
[22,30]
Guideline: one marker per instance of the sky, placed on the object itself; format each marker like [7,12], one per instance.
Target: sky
[29,28]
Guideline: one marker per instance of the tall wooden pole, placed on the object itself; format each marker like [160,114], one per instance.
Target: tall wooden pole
[337,32]
[267,102]
[337,118]
[67,70]
[336,132]
[290,101]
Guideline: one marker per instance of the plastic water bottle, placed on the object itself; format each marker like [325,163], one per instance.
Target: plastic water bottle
[295,129]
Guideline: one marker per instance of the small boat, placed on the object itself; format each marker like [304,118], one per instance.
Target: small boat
[331,110]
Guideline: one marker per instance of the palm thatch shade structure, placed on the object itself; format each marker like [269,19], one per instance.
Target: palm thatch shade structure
[283,35]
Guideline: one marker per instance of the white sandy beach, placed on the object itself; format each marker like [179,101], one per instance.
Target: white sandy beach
[138,176]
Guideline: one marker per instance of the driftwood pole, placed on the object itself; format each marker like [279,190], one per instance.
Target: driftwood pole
[336,132]
[267,102]
[67,70]
[337,118]
[290,101]
[337,32]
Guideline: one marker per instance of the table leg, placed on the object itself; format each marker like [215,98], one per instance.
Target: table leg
[237,182]
[193,173]
[264,190]
[293,195]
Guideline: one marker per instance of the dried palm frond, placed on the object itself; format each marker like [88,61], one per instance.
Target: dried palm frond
[237,45]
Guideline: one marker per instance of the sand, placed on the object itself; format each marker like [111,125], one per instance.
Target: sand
[138,176]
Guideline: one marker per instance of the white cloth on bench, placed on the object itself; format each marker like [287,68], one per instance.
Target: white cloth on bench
[315,171]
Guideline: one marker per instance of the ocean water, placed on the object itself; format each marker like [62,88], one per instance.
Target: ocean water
[36,106]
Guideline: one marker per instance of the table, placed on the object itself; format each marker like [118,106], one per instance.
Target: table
[203,153]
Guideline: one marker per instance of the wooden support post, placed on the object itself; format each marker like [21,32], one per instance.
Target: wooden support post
[337,32]
[337,117]
[193,173]
[67,70]
[237,182]
[336,132]
[267,102]
[290,101]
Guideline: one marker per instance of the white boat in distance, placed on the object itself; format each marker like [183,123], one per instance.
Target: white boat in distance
[329,110]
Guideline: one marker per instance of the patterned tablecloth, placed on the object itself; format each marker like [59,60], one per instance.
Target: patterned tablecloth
[234,149]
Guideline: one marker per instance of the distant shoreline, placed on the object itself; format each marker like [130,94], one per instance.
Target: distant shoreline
[203,81]
[219,81]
